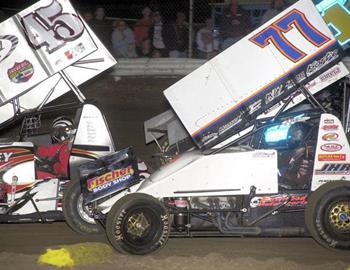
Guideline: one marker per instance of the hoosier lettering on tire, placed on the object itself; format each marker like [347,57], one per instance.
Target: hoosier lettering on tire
[327,215]
[138,224]
[76,214]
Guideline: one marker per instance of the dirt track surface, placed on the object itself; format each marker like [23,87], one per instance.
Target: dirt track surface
[127,103]
[22,244]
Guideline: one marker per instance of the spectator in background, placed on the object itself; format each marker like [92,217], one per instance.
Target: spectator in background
[157,33]
[123,40]
[141,31]
[87,16]
[207,45]
[235,24]
[101,27]
[276,7]
[176,37]
[3,16]
[156,53]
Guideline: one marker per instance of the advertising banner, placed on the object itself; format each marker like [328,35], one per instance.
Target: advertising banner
[108,175]
[332,159]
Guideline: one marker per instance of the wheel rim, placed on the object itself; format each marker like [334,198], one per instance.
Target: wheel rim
[141,227]
[137,224]
[84,211]
[339,216]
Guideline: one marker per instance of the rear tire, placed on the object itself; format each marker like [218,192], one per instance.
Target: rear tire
[327,215]
[138,224]
[76,214]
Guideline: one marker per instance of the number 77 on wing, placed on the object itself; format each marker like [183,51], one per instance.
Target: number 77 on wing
[277,34]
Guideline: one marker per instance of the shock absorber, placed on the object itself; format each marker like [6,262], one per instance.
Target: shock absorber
[2,192]
[13,189]
[181,219]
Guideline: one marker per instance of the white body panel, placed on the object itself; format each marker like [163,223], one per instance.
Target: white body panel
[92,128]
[222,174]
[45,190]
[25,171]
[214,175]
[332,157]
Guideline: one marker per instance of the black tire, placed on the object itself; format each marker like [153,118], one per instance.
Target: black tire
[75,214]
[327,215]
[150,230]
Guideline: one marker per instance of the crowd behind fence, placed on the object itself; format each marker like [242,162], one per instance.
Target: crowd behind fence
[181,28]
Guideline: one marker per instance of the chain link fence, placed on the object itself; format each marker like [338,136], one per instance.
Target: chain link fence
[181,28]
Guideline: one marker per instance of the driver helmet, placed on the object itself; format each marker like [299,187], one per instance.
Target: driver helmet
[62,129]
[297,133]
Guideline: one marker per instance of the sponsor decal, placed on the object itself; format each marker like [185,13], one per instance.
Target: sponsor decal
[255,106]
[332,157]
[109,179]
[21,72]
[311,84]
[276,200]
[330,74]
[72,53]
[293,120]
[5,157]
[75,51]
[334,168]
[300,77]
[330,127]
[273,94]
[317,65]
[323,181]
[329,137]
[230,124]
[328,121]
[8,44]
[331,147]
[210,137]
[289,84]
[263,155]
[277,105]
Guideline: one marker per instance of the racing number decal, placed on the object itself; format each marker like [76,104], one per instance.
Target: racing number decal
[275,34]
[49,27]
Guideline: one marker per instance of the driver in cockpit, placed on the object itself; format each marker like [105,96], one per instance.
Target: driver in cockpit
[52,161]
[296,164]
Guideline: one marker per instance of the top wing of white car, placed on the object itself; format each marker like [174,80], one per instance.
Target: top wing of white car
[230,91]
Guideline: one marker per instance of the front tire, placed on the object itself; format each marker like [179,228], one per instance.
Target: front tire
[327,215]
[76,214]
[138,224]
